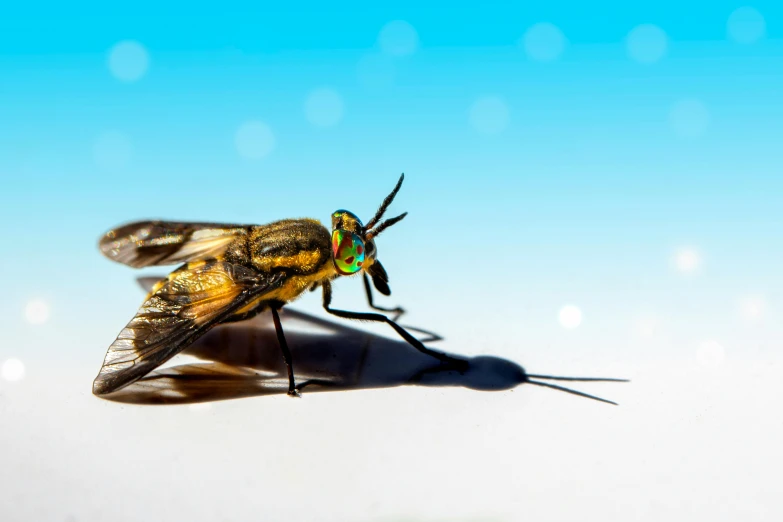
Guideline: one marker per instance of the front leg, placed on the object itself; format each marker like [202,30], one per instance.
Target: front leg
[432,336]
[459,364]
[368,290]
[286,353]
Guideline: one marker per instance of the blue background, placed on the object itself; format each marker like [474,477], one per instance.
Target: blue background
[583,195]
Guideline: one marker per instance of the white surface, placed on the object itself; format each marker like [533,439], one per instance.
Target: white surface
[690,441]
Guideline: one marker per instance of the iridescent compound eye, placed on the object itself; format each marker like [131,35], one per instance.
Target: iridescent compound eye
[348,251]
[343,219]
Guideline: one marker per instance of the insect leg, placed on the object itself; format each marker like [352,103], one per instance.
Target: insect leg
[327,383]
[286,352]
[399,311]
[327,300]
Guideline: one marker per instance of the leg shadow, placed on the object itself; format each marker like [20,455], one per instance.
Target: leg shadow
[243,359]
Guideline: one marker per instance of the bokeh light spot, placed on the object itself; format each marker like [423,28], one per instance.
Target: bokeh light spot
[398,38]
[746,25]
[324,107]
[752,308]
[646,43]
[128,61]
[37,311]
[544,42]
[570,317]
[687,260]
[254,140]
[489,115]
[13,370]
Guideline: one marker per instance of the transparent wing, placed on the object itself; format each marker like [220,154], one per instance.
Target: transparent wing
[182,308]
[148,243]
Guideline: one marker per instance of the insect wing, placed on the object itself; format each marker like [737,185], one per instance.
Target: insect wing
[148,243]
[181,309]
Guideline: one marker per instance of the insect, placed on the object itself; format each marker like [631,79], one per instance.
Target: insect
[233,272]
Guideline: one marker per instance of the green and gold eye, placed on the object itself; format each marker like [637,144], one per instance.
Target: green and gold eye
[348,251]
[345,220]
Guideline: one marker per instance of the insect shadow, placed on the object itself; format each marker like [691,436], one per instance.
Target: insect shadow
[238,360]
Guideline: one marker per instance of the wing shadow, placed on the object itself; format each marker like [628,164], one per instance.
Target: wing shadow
[244,360]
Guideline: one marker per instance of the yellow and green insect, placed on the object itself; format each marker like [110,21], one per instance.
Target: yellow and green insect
[233,272]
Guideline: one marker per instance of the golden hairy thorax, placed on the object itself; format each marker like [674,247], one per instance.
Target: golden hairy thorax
[292,288]
[299,247]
